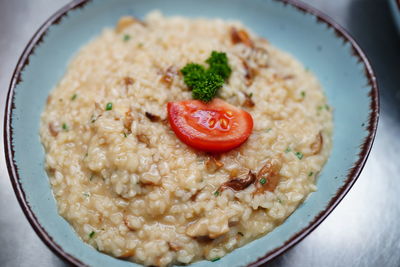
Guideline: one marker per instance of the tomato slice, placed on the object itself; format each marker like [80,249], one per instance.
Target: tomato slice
[213,127]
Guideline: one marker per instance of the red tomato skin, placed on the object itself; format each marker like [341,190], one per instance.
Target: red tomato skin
[199,140]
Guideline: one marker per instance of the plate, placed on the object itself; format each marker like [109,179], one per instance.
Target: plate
[314,39]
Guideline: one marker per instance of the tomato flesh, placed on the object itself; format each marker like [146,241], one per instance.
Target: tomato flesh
[213,127]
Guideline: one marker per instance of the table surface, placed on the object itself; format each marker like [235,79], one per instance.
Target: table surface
[363,230]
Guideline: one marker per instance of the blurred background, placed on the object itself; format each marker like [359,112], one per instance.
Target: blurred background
[364,230]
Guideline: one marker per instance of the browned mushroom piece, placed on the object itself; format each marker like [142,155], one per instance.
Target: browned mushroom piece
[53,129]
[238,184]
[317,145]
[125,22]
[128,120]
[240,36]
[248,102]
[143,139]
[168,76]
[128,81]
[213,164]
[268,176]
[174,246]
[152,117]
[127,254]
[250,73]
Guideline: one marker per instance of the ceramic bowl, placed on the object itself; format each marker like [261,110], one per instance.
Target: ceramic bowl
[323,46]
[395,8]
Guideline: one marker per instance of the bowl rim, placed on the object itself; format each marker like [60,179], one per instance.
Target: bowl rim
[352,176]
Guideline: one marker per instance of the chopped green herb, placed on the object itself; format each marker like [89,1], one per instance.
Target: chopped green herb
[327,107]
[109,106]
[310,174]
[303,94]
[215,259]
[65,126]
[93,120]
[125,135]
[205,83]
[299,155]
[126,37]
[280,201]
[319,108]
[86,194]
[263,180]
[74,97]
[240,233]
[288,150]
[251,94]
[268,130]
[91,178]
[92,233]
[216,193]
[140,45]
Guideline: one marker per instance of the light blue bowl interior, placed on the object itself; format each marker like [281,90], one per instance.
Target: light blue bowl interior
[312,42]
[395,13]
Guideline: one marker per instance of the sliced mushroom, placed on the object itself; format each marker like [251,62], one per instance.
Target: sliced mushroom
[248,102]
[128,81]
[174,246]
[168,76]
[152,117]
[128,120]
[250,73]
[317,145]
[53,129]
[268,176]
[213,164]
[143,139]
[127,254]
[240,36]
[238,184]
[125,22]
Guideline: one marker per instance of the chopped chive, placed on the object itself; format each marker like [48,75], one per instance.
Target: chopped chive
[319,108]
[240,233]
[268,130]
[74,97]
[140,45]
[303,94]
[91,178]
[126,37]
[93,120]
[109,106]
[288,150]
[65,126]
[310,174]
[280,201]
[327,107]
[215,259]
[263,180]
[251,94]
[216,193]
[86,194]
[92,233]
[125,135]
[299,155]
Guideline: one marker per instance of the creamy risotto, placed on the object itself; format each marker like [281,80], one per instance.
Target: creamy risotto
[132,189]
